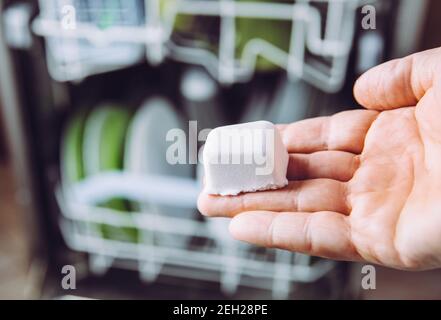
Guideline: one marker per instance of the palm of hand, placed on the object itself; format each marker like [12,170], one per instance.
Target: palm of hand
[389,223]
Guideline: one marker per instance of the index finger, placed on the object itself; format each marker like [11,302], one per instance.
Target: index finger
[344,131]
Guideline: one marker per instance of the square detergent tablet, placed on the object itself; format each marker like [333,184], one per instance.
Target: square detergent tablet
[246,157]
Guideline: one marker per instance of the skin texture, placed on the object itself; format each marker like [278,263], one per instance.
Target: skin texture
[365,185]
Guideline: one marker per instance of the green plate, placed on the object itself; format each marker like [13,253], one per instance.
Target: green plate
[276,32]
[196,29]
[103,149]
[72,169]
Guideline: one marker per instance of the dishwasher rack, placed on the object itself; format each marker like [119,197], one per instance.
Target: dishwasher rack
[81,43]
[214,256]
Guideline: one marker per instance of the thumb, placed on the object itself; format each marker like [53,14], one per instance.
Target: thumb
[399,83]
[411,81]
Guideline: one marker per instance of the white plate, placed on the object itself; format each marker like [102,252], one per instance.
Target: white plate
[145,154]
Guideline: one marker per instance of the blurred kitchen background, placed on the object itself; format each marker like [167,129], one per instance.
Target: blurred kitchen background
[89,90]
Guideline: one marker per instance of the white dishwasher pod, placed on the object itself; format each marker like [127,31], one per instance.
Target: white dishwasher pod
[246,157]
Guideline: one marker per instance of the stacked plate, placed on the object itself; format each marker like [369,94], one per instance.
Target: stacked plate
[109,138]
[146,154]
[93,143]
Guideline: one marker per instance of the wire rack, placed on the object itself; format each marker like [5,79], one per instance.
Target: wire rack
[92,36]
[201,250]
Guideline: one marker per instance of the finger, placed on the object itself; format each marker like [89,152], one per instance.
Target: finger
[428,115]
[398,83]
[307,195]
[337,165]
[344,131]
[324,234]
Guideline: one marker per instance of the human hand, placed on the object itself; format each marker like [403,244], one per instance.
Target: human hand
[365,185]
